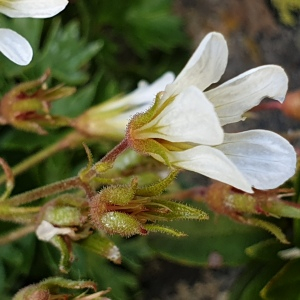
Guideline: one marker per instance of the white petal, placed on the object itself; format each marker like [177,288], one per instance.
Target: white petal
[245,91]
[15,47]
[46,231]
[143,96]
[211,163]
[266,159]
[32,8]
[205,67]
[189,118]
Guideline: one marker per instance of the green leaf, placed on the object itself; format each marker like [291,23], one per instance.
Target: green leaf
[152,19]
[65,53]
[15,263]
[218,234]
[76,104]
[25,141]
[266,250]
[253,278]
[134,251]
[105,274]
[285,284]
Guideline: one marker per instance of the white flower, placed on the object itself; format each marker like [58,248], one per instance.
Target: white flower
[111,117]
[46,231]
[32,8]
[14,46]
[183,128]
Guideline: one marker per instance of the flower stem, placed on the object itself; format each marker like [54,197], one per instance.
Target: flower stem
[51,189]
[106,162]
[16,234]
[111,156]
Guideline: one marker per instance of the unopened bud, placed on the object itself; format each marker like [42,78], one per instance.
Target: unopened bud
[120,223]
[63,216]
[117,195]
[27,106]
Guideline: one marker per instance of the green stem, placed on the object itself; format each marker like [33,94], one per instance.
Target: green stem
[105,163]
[23,215]
[9,210]
[48,190]
[71,140]
[16,234]
[111,156]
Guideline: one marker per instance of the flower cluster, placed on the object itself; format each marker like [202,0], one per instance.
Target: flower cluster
[13,45]
[184,130]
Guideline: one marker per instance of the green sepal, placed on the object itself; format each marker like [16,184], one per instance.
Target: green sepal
[118,195]
[151,147]
[157,188]
[282,208]
[272,228]
[65,254]
[101,167]
[141,119]
[179,211]
[64,216]
[46,288]
[53,282]
[163,229]
[103,246]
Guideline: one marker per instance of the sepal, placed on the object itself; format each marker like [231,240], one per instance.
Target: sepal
[103,246]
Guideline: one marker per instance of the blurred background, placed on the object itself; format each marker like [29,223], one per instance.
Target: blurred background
[104,48]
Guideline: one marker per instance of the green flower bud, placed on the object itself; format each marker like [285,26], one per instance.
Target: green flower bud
[120,223]
[27,106]
[118,195]
[63,216]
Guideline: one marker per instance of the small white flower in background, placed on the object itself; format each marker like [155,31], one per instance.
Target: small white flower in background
[46,231]
[14,46]
[183,128]
[109,119]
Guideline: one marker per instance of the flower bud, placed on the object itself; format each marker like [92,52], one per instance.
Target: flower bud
[118,195]
[120,223]
[109,119]
[27,106]
[63,216]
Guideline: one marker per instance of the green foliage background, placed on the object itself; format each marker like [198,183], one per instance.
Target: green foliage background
[104,48]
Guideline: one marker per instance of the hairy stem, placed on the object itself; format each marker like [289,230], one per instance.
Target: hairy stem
[48,190]
[16,234]
[111,156]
